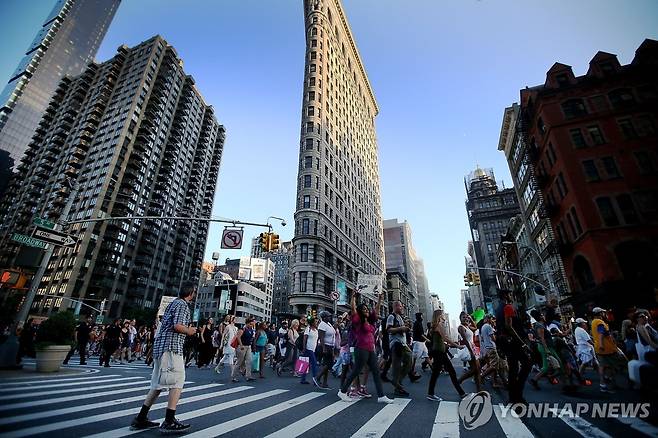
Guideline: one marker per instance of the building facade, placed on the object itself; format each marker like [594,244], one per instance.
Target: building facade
[129,137]
[538,257]
[338,223]
[591,141]
[489,210]
[398,289]
[401,258]
[282,259]
[422,289]
[253,280]
[67,41]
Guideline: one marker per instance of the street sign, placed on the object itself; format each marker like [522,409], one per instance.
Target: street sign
[99,319]
[232,239]
[43,223]
[197,314]
[335,295]
[28,241]
[55,237]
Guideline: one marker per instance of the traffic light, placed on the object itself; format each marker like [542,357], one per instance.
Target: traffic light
[263,239]
[274,242]
[467,279]
[314,314]
[476,279]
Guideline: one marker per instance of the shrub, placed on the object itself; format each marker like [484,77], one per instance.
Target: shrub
[56,330]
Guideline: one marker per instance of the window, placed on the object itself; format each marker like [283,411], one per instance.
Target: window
[579,229]
[645,125]
[627,209]
[307,181]
[311,111]
[607,68]
[540,126]
[305,225]
[621,97]
[610,166]
[551,154]
[591,172]
[562,186]
[307,201]
[308,162]
[627,128]
[309,144]
[644,162]
[577,138]
[303,250]
[312,68]
[607,211]
[302,281]
[595,134]
[574,108]
[562,79]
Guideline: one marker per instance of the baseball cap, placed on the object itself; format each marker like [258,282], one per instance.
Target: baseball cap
[598,310]
[580,320]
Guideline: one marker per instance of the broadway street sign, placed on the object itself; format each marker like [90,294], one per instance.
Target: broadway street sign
[55,237]
[28,241]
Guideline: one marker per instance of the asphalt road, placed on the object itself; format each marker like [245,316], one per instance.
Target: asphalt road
[102,401]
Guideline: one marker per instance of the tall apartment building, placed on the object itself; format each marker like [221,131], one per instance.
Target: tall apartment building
[591,141]
[423,289]
[282,259]
[67,41]
[129,137]
[338,224]
[397,289]
[252,292]
[535,249]
[256,248]
[401,257]
[489,210]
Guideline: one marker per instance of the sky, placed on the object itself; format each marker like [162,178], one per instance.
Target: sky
[442,71]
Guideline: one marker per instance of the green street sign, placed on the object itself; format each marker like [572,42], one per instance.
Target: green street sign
[28,241]
[44,223]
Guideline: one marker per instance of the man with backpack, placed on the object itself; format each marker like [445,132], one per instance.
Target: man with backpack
[400,351]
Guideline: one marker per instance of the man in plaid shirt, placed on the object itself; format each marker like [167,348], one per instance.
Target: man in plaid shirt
[168,363]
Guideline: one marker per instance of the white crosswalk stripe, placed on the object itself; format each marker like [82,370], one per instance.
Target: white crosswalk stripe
[236,423]
[311,420]
[54,380]
[72,390]
[107,414]
[446,422]
[89,407]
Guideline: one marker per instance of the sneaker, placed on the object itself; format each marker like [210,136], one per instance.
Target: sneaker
[384,399]
[434,398]
[304,382]
[363,392]
[278,370]
[138,424]
[604,388]
[354,393]
[400,392]
[234,380]
[173,427]
[345,397]
[250,379]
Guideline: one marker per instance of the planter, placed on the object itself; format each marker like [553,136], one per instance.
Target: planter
[50,358]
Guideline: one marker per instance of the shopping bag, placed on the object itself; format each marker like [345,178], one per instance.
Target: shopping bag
[301,366]
[464,355]
[234,342]
[255,361]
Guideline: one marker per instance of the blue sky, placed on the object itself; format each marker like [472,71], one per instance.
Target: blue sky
[442,72]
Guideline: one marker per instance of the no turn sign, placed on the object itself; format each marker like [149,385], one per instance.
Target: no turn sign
[232,239]
[334,296]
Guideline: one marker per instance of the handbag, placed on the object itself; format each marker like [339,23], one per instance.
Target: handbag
[463,355]
[234,342]
[301,366]
[255,361]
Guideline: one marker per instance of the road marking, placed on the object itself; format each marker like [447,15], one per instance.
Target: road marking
[125,431]
[511,425]
[581,425]
[28,386]
[236,423]
[68,391]
[104,404]
[96,418]
[310,421]
[639,425]
[77,397]
[446,423]
[56,380]
[377,426]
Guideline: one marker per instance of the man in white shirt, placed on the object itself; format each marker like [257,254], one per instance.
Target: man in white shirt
[488,350]
[584,346]
[327,341]
[132,334]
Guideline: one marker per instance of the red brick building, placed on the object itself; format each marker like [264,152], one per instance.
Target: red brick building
[592,141]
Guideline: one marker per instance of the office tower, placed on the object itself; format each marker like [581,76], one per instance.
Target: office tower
[489,210]
[401,258]
[338,224]
[129,137]
[591,142]
[65,44]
